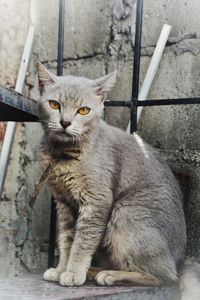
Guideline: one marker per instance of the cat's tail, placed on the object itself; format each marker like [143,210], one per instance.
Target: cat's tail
[190,280]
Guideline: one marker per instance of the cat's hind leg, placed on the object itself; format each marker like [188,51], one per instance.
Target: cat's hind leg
[109,277]
[65,238]
[137,249]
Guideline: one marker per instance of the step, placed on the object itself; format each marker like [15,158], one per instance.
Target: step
[33,287]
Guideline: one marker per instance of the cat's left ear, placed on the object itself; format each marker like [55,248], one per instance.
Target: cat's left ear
[105,84]
[44,77]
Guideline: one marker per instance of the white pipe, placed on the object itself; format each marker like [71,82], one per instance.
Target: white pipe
[153,67]
[24,60]
[11,126]
[33,12]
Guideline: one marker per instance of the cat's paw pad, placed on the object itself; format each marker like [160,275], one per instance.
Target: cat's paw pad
[71,279]
[106,278]
[51,275]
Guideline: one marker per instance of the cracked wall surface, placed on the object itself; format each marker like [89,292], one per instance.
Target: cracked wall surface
[99,37]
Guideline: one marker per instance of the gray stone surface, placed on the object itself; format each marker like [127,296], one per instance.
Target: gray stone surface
[27,229]
[177,126]
[181,14]
[98,39]
[13,29]
[82,38]
[34,287]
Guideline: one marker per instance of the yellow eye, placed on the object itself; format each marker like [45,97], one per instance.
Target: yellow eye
[54,104]
[84,110]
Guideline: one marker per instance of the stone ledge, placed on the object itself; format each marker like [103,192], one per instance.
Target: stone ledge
[33,287]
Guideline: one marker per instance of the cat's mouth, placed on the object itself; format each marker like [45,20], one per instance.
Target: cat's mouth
[65,133]
[62,132]
[62,136]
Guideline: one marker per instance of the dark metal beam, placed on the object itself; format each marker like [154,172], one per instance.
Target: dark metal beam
[15,107]
[178,101]
[136,65]
[155,102]
[117,103]
[61,27]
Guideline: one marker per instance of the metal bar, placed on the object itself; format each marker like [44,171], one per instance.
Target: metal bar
[155,102]
[117,103]
[52,234]
[61,37]
[179,101]
[136,65]
[10,113]
[52,238]
[15,107]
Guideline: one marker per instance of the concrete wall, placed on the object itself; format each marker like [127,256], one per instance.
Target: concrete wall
[99,38]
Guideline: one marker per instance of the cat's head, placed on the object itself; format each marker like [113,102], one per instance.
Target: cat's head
[70,106]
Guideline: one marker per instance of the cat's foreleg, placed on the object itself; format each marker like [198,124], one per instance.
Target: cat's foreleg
[89,231]
[65,237]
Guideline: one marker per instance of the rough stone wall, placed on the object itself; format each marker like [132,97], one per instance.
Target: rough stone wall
[99,38]
[12,34]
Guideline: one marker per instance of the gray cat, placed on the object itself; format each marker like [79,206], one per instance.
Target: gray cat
[114,194]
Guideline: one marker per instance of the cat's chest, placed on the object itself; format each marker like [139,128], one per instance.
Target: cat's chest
[66,180]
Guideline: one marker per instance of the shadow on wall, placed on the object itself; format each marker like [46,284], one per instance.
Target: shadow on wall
[187,173]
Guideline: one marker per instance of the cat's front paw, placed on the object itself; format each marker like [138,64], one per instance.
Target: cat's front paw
[71,279]
[51,275]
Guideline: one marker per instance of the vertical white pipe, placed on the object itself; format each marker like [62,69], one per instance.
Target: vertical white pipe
[153,67]
[24,60]
[11,126]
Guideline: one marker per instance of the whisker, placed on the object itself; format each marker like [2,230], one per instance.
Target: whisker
[53,127]
[51,122]
[81,143]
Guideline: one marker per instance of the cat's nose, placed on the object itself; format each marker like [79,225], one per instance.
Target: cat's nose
[65,124]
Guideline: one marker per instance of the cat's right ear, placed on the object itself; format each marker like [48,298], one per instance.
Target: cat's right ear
[44,77]
[105,84]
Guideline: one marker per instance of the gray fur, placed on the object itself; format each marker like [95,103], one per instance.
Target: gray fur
[112,190]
